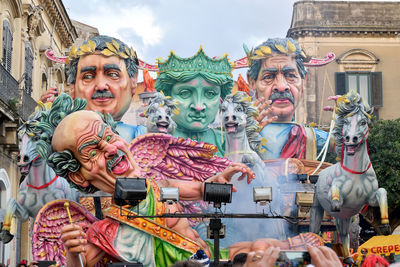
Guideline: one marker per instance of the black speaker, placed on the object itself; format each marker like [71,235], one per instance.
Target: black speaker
[130,191]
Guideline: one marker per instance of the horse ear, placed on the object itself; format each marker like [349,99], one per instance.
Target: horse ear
[78,179]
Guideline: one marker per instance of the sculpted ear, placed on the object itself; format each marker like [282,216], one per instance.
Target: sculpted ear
[78,179]
[72,90]
[133,81]
[252,83]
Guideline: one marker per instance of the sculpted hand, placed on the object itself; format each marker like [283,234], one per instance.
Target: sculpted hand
[323,256]
[226,175]
[261,258]
[264,112]
[49,95]
[74,238]
[334,98]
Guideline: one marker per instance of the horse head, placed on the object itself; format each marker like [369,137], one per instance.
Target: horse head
[27,138]
[234,113]
[159,115]
[353,117]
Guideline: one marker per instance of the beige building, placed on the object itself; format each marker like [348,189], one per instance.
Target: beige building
[365,39]
[28,28]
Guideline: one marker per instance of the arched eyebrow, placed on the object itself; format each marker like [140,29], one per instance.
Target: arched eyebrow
[94,141]
[288,69]
[111,67]
[88,68]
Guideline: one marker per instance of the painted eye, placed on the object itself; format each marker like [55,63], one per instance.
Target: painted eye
[108,138]
[185,93]
[363,123]
[210,94]
[92,153]
[239,109]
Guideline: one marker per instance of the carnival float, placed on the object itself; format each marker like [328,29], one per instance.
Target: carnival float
[210,170]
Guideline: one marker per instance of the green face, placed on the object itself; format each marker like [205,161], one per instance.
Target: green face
[198,102]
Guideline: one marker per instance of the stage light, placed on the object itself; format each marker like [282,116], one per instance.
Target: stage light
[313,178]
[302,177]
[262,195]
[169,194]
[217,193]
[130,191]
[304,201]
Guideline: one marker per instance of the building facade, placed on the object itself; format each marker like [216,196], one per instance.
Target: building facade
[365,39]
[28,28]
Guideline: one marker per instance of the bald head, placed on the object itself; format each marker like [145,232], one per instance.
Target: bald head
[74,127]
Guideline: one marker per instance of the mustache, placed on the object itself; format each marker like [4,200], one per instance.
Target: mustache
[111,162]
[282,95]
[102,94]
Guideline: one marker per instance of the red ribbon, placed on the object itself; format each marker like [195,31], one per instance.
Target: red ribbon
[43,186]
[342,154]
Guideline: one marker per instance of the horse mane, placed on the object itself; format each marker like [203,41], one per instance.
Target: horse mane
[159,100]
[251,111]
[28,126]
[346,106]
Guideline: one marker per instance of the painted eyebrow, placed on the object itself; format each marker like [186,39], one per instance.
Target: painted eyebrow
[94,141]
[88,68]
[288,69]
[111,67]
[274,70]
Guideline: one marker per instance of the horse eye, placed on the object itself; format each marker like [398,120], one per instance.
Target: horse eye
[363,123]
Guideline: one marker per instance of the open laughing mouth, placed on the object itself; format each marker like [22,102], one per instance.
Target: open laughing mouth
[120,165]
[351,149]
[231,127]
[162,127]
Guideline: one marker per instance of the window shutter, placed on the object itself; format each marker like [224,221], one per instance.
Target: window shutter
[7,45]
[340,83]
[376,89]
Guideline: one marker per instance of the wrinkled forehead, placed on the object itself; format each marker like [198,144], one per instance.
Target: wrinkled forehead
[279,60]
[75,127]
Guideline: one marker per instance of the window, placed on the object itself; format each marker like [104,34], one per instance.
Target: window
[28,68]
[7,45]
[367,84]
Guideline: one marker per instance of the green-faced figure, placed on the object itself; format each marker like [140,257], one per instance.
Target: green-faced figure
[197,84]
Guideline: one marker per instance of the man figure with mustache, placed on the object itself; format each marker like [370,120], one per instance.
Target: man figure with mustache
[277,74]
[82,146]
[104,72]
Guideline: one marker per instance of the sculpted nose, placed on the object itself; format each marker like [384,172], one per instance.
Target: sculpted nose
[101,83]
[110,150]
[281,85]
[230,117]
[198,106]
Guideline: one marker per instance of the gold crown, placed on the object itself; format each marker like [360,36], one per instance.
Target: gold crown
[112,49]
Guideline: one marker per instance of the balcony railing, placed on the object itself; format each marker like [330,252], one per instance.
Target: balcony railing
[9,94]
[8,86]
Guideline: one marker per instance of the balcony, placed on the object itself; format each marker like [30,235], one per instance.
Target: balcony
[8,87]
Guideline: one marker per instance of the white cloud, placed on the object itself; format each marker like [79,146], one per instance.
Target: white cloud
[138,21]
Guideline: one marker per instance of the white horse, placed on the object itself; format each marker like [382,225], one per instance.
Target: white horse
[242,144]
[345,188]
[40,186]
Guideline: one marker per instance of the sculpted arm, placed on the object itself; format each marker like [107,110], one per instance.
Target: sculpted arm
[195,190]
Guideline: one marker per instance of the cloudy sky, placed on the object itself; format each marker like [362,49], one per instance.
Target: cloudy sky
[155,27]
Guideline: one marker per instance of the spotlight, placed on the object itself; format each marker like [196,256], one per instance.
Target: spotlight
[313,178]
[262,195]
[217,193]
[304,201]
[130,191]
[169,194]
[302,177]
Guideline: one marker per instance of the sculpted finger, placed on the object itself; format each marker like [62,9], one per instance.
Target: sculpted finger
[316,255]
[76,234]
[265,123]
[75,243]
